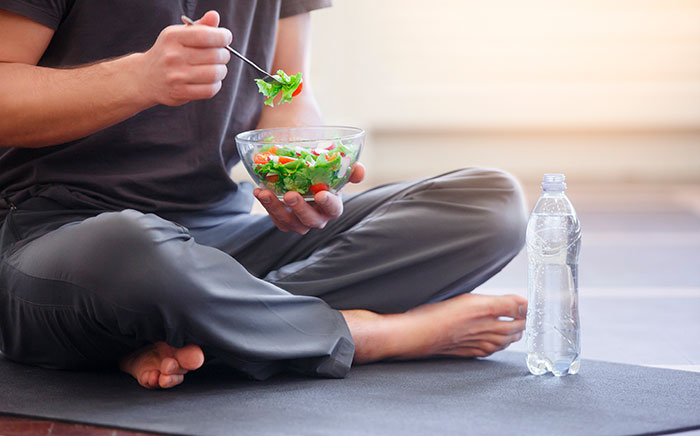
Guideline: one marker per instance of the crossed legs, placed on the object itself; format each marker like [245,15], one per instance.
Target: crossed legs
[388,280]
[400,261]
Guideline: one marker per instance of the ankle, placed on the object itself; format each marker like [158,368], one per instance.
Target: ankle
[370,332]
[387,337]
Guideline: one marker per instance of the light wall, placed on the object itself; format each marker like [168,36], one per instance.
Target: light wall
[604,90]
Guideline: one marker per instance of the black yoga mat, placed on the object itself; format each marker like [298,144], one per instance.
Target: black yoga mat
[434,397]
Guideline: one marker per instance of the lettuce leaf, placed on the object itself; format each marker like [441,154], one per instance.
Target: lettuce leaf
[285,84]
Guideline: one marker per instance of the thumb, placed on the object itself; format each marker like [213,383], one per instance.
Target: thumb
[358,173]
[211,18]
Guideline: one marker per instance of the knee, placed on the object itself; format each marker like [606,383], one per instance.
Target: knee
[124,254]
[494,202]
[129,234]
[505,215]
[114,241]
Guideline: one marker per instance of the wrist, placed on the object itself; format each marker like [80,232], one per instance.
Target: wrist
[134,82]
[302,111]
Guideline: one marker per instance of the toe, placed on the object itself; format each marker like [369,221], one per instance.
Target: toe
[149,379]
[170,366]
[164,380]
[512,306]
[143,379]
[190,357]
[168,381]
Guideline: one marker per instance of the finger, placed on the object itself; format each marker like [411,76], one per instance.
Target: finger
[306,214]
[200,91]
[358,173]
[211,18]
[331,206]
[206,56]
[205,74]
[266,199]
[513,306]
[284,218]
[204,36]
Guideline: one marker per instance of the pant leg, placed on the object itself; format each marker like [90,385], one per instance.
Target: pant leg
[401,245]
[92,290]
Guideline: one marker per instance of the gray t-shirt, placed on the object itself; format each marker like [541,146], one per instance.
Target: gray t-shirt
[164,158]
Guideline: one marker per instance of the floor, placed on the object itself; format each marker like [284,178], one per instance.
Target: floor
[641,244]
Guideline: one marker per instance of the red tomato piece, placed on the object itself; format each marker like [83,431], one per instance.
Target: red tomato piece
[298,90]
[318,187]
[285,159]
[272,178]
[262,158]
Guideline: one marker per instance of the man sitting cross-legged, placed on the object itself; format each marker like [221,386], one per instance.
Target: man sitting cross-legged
[123,240]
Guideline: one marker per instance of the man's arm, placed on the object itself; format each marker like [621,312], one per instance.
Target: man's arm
[45,106]
[292,55]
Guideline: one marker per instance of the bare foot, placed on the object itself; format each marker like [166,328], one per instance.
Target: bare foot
[467,325]
[160,365]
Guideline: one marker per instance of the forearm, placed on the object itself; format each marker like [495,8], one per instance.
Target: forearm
[43,106]
[292,55]
[302,111]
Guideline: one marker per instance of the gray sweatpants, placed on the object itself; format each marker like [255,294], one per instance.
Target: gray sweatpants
[82,287]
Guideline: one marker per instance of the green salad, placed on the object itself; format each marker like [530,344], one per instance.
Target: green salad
[289,86]
[306,171]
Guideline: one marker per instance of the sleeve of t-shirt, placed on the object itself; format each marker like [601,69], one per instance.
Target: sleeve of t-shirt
[46,12]
[296,7]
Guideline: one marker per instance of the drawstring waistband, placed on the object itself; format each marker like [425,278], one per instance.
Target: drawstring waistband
[6,203]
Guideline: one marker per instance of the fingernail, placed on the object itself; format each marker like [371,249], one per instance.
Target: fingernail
[522,310]
[324,199]
[292,201]
[265,200]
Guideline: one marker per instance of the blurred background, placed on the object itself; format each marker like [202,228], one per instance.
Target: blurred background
[603,91]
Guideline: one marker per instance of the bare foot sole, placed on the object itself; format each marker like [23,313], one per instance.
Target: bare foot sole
[162,366]
[467,325]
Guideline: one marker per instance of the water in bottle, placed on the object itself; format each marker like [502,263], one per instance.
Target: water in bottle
[553,332]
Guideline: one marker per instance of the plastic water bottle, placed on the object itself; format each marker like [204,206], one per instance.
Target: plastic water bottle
[553,242]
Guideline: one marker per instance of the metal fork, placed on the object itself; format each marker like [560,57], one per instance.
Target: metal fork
[189,22]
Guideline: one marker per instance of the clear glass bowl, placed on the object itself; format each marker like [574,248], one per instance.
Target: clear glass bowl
[302,159]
